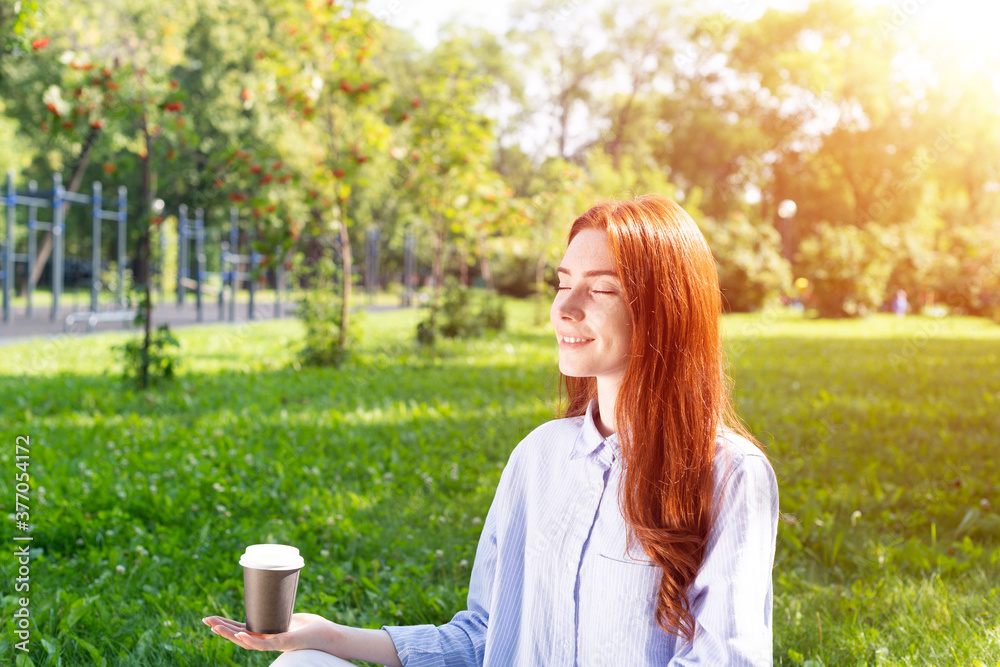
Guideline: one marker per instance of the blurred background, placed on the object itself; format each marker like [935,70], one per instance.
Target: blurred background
[837,154]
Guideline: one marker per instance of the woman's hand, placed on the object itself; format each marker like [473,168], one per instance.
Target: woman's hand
[305,631]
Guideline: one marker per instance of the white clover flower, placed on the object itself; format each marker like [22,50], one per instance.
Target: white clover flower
[324,553]
[439,554]
[476,521]
[463,563]
[454,472]
[319,578]
[119,569]
[218,487]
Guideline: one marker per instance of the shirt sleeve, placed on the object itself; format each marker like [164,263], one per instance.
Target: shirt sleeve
[462,641]
[731,597]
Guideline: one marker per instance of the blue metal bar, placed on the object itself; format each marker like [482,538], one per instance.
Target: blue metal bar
[30,199]
[253,259]
[76,197]
[122,219]
[8,249]
[33,226]
[182,223]
[223,251]
[279,276]
[199,250]
[95,248]
[234,249]
[58,227]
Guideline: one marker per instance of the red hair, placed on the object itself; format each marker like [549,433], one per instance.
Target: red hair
[674,396]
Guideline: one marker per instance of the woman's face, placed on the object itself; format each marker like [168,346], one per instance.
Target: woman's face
[589,313]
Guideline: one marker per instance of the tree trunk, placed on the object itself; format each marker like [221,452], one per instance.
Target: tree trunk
[74,183]
[345,247]
[145,252]
[484,264]
[437,263]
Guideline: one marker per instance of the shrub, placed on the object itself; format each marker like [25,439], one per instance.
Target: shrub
[848,268]
[455,317]
[748,257]
[161,361]
[320,308]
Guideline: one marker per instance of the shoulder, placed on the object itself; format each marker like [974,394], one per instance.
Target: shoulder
[553,439]
[739,460]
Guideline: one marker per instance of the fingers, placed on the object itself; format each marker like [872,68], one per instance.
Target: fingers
[237,633]
[212,621]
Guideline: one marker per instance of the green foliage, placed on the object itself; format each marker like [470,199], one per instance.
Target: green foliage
[848,269]
[968,274]
[752,271]
[382,470]
[492,313]
[321,309]
[456,315]
[149,367]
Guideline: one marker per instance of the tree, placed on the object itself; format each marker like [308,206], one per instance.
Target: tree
[450,159]
[318,66]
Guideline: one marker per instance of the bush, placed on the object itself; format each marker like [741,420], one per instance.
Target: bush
[848,268]
[321,310]
[492,314]
[967,274]
[161,361]
[455,317]
[748,257]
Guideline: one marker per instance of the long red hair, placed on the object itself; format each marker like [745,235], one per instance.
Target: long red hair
[674,396]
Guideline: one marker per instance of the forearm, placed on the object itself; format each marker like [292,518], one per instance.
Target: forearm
[362,644]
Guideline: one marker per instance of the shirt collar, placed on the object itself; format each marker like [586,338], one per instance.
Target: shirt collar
[591,444]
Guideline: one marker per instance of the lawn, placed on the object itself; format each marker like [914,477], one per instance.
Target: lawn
[882,433]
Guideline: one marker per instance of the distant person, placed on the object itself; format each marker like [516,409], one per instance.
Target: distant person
[637,530]
[899,304]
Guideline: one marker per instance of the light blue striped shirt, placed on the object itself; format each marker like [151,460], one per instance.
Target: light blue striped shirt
[552,583]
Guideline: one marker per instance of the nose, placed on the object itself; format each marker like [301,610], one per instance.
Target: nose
[566,305]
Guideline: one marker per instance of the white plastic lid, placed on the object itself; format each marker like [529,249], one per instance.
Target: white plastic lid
[272,557]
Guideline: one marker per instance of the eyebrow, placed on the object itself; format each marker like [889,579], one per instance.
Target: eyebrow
[589,274]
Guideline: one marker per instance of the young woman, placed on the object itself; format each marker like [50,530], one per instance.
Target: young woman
[637,530]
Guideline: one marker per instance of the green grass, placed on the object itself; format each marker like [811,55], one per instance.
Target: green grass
[882,433]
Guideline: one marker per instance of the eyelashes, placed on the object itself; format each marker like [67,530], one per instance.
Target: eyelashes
[563,288]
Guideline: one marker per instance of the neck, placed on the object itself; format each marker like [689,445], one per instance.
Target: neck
[607,393]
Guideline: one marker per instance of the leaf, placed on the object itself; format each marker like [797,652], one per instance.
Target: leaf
[968,522]
[95,655]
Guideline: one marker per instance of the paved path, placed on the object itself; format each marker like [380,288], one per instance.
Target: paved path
[22,328]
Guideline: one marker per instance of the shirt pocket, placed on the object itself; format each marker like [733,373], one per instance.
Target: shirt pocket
[618,613]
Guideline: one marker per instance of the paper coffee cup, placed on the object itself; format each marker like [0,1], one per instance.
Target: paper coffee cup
[270,580]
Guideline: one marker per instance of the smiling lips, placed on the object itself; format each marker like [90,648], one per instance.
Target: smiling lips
[569,340]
